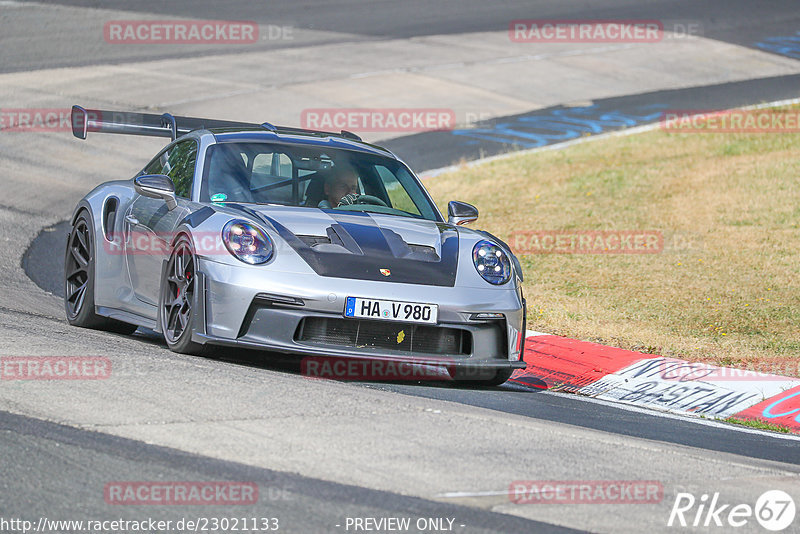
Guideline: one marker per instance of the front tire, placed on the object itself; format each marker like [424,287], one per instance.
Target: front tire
[79,277]
[176,315]
[500,377]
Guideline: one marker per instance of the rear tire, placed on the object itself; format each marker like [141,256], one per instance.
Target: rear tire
[176,313]
[79,266]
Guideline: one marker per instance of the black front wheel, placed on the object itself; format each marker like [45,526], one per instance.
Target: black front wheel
[177,299]
[79,265]
[500,377]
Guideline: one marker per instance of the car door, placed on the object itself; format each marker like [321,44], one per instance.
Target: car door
[150,225]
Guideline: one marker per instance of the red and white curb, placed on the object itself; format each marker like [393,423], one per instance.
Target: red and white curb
[655,382]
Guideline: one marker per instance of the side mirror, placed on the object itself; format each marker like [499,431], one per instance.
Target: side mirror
[156,186]
[461,213]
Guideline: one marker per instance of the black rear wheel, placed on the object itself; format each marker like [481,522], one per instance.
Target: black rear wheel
[79,262]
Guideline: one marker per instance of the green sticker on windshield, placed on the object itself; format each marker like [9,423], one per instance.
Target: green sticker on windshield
[219,197]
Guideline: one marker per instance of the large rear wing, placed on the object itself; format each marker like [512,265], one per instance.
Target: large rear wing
[123,122]
[166,125]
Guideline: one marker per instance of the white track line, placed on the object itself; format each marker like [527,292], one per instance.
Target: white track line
[534,333]
[669,415]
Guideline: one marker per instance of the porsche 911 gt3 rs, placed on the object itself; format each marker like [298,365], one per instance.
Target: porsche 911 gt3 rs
[292,241]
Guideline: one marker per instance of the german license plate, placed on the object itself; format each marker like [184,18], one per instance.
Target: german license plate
[391,310]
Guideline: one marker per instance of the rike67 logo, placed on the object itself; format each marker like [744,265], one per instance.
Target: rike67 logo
[774,510]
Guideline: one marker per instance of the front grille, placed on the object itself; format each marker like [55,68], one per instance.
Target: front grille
[388,335]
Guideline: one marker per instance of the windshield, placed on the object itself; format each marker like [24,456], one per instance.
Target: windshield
[314,177]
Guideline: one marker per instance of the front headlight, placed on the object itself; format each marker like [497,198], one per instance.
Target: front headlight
[491,262]
[247,242]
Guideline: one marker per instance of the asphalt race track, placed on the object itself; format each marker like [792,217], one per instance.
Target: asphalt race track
[321,451]
[735,21]
[33,441]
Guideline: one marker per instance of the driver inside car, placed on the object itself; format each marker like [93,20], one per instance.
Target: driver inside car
[341,188]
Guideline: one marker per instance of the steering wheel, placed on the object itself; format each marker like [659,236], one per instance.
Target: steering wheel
[362,199]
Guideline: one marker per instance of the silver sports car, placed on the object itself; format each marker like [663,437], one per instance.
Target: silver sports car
[292,241]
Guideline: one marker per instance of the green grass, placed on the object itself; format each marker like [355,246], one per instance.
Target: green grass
[761,425]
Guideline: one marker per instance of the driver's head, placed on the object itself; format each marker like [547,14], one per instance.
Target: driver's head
[341,182]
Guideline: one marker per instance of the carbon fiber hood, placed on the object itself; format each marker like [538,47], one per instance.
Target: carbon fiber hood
[367,246]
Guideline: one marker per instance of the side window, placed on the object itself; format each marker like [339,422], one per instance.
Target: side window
[398,196]
[157,165]
[180,166]
[178,163]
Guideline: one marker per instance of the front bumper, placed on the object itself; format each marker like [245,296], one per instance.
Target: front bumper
[259,309]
